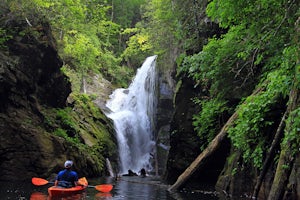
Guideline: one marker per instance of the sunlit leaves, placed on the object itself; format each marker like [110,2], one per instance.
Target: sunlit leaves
[87,38]
[108,33]
[231,12]
[43,3]
[138,48]
[81,48]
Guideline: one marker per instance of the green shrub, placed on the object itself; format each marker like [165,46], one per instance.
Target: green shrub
[207,122]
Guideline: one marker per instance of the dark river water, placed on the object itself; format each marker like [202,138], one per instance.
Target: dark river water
[127,188]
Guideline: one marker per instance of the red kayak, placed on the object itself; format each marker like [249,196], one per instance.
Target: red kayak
[59,191]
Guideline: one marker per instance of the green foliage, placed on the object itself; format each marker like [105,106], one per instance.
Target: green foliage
[75,78]
[68,127]
[257,47]
[285,167]
[126,12]
[139,47]
[206,123]
[61,133]
[93,122]
[83,125]
[161,24]
[84,101]
[224,64]
[192,29]
[291,136]
[248,132]
[292,139]
[88,40]
[88,36]
[63,115]
[234,171]
[230,12]
[211,67]
[253,44]
[4,36]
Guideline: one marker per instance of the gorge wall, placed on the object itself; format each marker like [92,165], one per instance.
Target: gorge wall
[32,89]
[227,169]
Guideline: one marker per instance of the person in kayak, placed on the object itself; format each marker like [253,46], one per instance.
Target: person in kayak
[67,178]
[143,172]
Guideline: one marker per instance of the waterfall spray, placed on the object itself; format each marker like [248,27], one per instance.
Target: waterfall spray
[133,111]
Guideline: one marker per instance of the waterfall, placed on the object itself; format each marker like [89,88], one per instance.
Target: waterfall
[109,168]
[133,111]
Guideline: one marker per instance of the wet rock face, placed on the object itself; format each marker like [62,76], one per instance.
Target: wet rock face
[30,79]
[183,139]
[185,143]
[31,72]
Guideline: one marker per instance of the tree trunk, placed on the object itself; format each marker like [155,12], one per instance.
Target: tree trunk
[269,156]
[212,147]
[286,158]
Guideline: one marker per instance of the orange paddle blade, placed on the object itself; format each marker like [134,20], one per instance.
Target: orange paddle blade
[83,181]
[39,181]
[104,187]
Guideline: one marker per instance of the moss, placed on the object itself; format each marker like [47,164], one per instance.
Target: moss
[231,163]
[178,86]
[85,126]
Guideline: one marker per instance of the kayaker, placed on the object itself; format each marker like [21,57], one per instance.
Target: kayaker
[130,173]
[143,172]
[67,178]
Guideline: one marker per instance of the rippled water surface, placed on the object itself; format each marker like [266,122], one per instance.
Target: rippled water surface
[127,188]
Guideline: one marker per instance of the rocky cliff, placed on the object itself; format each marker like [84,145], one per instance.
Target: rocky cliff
[184,142]
[32,89]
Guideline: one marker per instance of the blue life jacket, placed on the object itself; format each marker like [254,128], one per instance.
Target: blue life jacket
[66,178]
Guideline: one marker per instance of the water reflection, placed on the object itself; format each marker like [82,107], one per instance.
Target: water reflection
[127,188]
[140,188]
[38,196]
[103,196]
[42,196]
[81,196]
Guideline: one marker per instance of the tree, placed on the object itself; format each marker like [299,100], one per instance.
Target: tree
[258,49]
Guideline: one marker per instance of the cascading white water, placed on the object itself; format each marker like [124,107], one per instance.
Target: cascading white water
[133,112]
[109,168]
